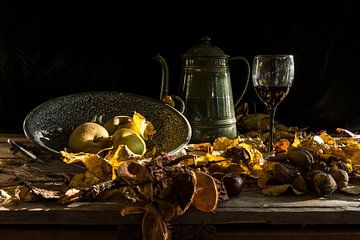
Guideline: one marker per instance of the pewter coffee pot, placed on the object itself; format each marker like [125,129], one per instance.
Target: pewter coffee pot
[205,88]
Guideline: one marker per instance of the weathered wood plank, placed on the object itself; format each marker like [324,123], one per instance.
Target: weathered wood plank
[250,207]
[58,233]
[5,151]
[265,232]
[253,212]
[110,215]
[252,197]
[15,137]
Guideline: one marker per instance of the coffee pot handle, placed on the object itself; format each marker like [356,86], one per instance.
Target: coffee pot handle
[247,79]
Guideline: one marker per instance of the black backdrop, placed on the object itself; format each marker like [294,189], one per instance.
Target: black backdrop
[57,48]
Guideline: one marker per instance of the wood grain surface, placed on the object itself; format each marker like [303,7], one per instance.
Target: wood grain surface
[250,207]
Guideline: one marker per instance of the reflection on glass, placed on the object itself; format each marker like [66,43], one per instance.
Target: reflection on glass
[272,77]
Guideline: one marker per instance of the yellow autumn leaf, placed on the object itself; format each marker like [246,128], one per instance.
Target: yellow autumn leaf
[209,158]
[223,143]
[140,125]
[265,174]
[149,131]
[256,158]
[217,163]
[263,179]
[355,161]
[351,151]
[117,158]
[238,169]
[352,143]
[326,138]
[276,190]
[97,166]
[83,180]
[71,158]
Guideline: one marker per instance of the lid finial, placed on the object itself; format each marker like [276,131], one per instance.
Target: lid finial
[206,40]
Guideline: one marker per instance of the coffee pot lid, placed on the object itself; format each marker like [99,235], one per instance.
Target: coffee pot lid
[205,49]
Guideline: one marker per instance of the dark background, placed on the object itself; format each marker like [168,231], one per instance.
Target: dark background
[55,48]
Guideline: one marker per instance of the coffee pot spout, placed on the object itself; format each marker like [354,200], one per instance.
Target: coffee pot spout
[172,100]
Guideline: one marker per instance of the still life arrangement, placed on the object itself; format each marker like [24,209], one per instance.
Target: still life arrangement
[122,163]
[137,151]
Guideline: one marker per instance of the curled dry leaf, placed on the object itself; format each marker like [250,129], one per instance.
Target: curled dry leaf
[351,189]
[282,145]
[134,208]
[146,190]
[153,225]
[92,162]
[184,188]
[206,195]
[166,209]
[275,190]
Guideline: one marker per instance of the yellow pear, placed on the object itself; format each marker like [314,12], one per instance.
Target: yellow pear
[113,123]
[88,137]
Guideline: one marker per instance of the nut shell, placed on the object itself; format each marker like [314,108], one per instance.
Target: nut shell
[341,178]
[299,184]
[233,184]
[284,173]
[300,157]
[324,184]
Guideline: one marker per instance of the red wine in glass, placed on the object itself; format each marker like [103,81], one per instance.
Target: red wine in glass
[271,96]
[272,76]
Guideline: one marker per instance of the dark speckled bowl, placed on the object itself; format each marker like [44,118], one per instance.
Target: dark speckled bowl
[49,125]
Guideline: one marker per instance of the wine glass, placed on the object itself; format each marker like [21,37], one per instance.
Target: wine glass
[272,78]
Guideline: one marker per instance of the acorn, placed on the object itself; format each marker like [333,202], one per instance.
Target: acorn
[233,184]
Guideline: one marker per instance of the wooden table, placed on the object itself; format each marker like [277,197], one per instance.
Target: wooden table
[250,216]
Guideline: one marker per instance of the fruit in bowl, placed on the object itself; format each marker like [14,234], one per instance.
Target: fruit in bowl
[50,124]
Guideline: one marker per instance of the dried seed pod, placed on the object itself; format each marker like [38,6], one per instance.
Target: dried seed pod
[300,157]
[134,173]
[184,188]
[153,225]
[341,178]
[299,184]
[233,184]
[284,173]
[166,209]
[206,195]
[146,190]
[324,184]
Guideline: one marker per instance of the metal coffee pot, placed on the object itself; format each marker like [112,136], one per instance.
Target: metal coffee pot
[205,88]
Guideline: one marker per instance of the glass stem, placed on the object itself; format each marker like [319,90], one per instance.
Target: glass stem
[271,128]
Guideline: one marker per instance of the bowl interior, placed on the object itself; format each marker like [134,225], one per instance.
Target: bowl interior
[50,124]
